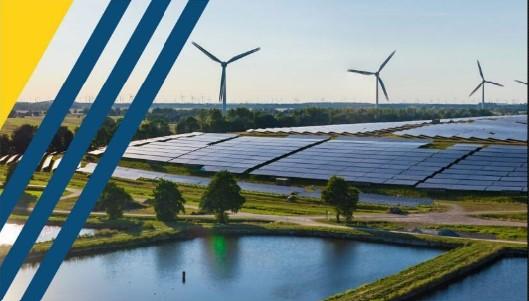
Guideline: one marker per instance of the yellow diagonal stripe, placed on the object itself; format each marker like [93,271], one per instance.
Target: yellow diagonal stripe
[26,29]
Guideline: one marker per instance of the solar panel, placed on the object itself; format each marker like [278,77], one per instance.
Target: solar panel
[493,167]
[367,161]
[497,127]
[243,153]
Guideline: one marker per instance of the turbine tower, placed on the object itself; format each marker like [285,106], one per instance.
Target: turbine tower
[520,82]
[482,86]
[377,77]
[222,93]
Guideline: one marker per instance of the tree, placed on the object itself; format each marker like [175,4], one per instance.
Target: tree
[61,140]
[153,128]
[5,145]
[222,194]
[21,137]
[113,200]
[105,133]
[168,200]
[342,196]
[188,125]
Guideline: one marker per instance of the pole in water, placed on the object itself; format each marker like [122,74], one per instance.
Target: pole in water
[183,276]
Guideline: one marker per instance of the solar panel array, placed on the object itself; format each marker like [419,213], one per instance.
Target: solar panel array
[494,168]
[353,128]
[499,128]
[380,162]
[165,149]
[243,153]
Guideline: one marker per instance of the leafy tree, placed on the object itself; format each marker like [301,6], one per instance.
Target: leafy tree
[105,133]
[214,122]
[61,141]
[188,125]
[153,128]
[114,200]
[5,145]
[168,200]
[342,196]
[21,137]
[222,194]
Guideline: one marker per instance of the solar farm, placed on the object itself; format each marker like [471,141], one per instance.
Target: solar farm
[486,153]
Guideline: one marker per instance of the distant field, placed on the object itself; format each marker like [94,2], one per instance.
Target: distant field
[71,121]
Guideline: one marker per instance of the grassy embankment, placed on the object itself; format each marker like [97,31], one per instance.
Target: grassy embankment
[430,274]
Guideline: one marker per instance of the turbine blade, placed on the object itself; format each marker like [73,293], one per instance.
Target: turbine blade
[480,71]
[240,56]
[383,87]
[520,82]
[211,56]
[497,84]
[361,72]
[477,88]
[386,61]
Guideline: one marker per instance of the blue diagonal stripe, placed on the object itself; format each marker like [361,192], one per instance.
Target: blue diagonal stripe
[60,107]
[115,150]
[98,112]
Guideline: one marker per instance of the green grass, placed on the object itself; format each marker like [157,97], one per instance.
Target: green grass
[516,217]
[497,232]
[71,122]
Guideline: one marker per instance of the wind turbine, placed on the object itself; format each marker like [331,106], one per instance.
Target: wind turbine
[482,86]
[222,93]
[377,76]
[520,82]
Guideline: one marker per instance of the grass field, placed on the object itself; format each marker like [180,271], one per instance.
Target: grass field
[71,121]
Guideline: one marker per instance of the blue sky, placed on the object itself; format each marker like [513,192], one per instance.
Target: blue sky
[307,46]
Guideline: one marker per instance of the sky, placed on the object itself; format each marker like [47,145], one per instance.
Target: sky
[307,46]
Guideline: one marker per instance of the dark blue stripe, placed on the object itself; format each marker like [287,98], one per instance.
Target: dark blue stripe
[98,112]
[60,107]
[115,150]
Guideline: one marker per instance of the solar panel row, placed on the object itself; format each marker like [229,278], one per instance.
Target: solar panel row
[165,149]
[494,168]
[243,153]
[499,128]
[401,163]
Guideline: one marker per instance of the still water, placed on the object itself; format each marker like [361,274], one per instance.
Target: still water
[10,232]
[228,268]
[506,280]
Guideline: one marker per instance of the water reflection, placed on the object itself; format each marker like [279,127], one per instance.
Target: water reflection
[222,254]
[10,232]
[228,268]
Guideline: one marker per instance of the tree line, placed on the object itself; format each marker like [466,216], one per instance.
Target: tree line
[241,119]
[19,140]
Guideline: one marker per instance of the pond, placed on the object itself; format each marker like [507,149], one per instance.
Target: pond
[228,268]
[505,280]
[10,232]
